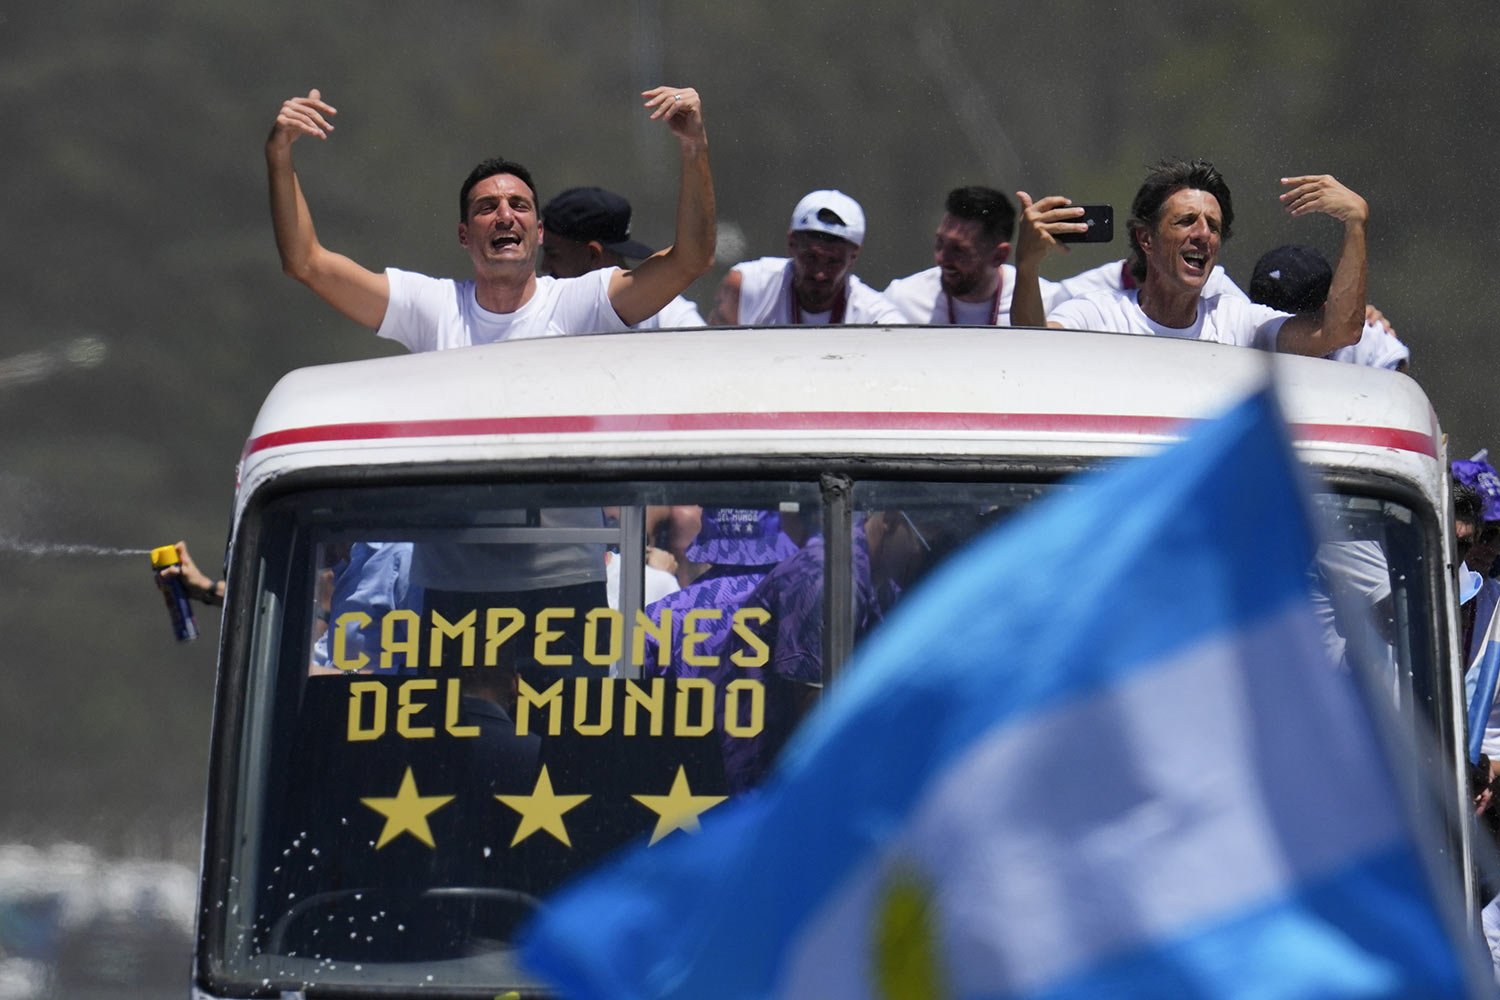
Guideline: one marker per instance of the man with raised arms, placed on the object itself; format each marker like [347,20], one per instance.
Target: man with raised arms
[816,285]
[970,282]
[1180,217]
[500,229]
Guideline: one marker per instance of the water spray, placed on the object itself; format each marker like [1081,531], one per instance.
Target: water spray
[32,548]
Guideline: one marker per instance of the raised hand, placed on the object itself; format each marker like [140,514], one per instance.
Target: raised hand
[1323,193]
[1040,224]
[681,107]
[301,116]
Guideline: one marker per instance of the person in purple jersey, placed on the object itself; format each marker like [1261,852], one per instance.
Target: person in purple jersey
[740,545]
[891,550]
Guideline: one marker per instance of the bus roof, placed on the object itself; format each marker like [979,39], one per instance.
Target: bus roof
[826,390]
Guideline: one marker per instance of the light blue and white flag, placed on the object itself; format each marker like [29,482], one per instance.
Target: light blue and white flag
[1484,669]
[1141,780]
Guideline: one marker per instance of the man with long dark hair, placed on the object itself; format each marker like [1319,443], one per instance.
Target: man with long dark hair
[1179,219]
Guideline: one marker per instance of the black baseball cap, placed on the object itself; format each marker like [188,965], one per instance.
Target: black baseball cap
[589,213]
[1291,278]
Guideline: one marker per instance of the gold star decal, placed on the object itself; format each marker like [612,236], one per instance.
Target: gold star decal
[679,809]
[407,812]
[542,810]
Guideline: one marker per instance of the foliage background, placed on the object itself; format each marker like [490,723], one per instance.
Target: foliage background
[143,313]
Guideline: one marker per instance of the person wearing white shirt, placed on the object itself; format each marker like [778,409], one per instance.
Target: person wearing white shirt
[1295,279]
[816,285]
[970,282]
[586,229]
[500,229]
[1180,217]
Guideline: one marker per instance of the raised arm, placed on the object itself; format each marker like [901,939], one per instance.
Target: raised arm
[1342,319]
[1037,234]
[640,293]
[355,291]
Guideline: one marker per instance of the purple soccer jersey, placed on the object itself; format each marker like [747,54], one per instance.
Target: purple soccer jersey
[724,588]
[793,595]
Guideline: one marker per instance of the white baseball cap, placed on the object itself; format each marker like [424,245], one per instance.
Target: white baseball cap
[831,212]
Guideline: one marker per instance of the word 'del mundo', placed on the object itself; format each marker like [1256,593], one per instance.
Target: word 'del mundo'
[424,707]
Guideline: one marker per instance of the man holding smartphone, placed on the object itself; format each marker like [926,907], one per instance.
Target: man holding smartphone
[1179,219]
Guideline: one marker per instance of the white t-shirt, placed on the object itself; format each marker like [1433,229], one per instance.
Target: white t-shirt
[1375,348]
[921,299]
[1224,319]
[1111,278]
[677,313]
[658,582]
[437,314]
[1352,578]
[766,298]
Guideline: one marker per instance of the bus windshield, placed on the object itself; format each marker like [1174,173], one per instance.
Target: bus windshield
[448,699]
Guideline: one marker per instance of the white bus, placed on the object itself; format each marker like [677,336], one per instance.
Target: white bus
[448,680]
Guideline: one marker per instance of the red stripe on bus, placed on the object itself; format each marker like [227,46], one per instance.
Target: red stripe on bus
[626,423]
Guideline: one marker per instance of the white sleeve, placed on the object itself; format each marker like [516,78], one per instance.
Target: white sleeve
[1359,565]
[1095,279]
[680,313]
[902,293]
[1081,314]
[1052,294]
[884,312]
[1375,348]
[583,304]
[1268,334]
[413,311]
[1387,351]
[866,305]
[1262,322]
[760,287]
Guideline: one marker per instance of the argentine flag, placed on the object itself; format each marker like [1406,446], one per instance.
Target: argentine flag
[1484,670]
[1099,754]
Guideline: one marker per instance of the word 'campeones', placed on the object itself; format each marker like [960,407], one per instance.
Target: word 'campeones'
[401,637]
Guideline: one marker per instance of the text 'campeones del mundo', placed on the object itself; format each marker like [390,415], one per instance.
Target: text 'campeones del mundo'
[421,707]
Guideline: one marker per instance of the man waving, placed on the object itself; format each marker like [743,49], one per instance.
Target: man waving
[500,229]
